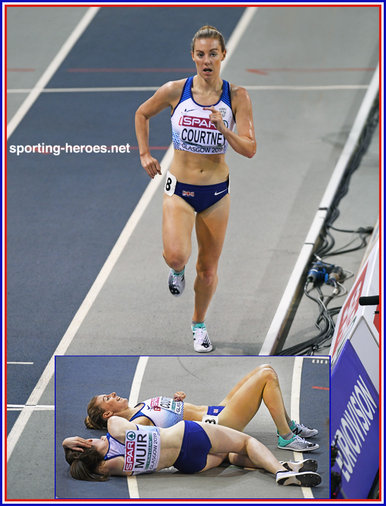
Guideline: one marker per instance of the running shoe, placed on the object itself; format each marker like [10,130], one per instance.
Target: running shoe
[176,282]
[301,465]
[201,340]
[307,479]
[297,444]
[301,430]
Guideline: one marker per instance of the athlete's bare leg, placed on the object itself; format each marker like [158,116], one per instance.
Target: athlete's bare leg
[211,226]
[243,401]
[242,449]
[177,225]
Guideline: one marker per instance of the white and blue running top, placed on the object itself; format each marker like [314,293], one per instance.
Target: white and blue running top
[191,128]
[161,411]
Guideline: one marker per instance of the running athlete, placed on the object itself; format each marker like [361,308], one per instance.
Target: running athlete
[204,111]
[235,411]
[191,447]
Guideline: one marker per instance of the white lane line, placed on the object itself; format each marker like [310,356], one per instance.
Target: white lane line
[295,410]
[132,483]
[295,389]
[238,32]
[51,69]
[137,380]
[280,320]
[20,363]
[104,273]
[40,407]
[249,87]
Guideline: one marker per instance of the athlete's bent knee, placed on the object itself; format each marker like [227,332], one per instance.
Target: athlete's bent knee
[175,260]
[207,276]
[269,373]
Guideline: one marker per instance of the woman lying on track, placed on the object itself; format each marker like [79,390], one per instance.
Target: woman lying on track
[235,411]
[191,447]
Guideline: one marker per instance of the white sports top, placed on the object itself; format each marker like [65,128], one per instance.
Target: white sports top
[161,411]
[191,128]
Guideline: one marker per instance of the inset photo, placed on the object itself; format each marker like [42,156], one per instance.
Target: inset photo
[183,427]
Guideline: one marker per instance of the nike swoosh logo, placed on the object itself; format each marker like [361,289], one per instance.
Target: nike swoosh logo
[189,110]
[222,191]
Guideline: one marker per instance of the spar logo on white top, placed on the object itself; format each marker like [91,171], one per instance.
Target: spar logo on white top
[197,122]
[129,451]
[142,450]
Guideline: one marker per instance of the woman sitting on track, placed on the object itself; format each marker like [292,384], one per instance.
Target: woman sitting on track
[191,447]
[235,411]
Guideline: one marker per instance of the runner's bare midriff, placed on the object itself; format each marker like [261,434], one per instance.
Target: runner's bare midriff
[193,412]
[193,168]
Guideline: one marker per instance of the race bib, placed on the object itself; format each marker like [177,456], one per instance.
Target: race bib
[142,450]
[170,184]
[210,419]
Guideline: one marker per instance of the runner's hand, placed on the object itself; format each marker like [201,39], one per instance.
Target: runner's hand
[77,443]
[151,165]
[179,396]
[216,119]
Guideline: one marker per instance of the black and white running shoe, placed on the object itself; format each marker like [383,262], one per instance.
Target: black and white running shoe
[301,465]
[201,340]
[306,479]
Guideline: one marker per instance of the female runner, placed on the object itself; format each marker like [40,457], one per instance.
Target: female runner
[204,110]
[235,411]
[191,447]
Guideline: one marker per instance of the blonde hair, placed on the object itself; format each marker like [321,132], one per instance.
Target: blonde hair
[208,32]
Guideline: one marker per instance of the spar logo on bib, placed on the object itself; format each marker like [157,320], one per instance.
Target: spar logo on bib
[155,403]
[129,450]
[195,122]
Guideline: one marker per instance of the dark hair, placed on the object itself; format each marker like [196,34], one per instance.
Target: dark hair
[208,32]
[83,465]
[95,419]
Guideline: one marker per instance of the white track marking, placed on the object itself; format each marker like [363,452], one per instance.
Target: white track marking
[295,390]
[51,69]
[20,407]
[295,410]
[132,483]
[238,32]
[20,363]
